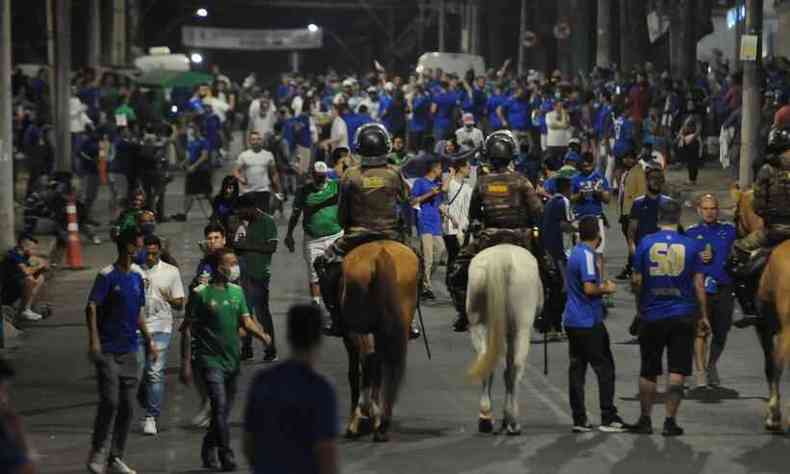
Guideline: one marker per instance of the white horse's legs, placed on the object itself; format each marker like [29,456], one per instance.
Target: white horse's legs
[518,349]
[477,332]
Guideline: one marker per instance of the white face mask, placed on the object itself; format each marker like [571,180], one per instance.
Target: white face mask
[235,274]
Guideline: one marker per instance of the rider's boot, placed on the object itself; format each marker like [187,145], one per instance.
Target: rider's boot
[330,269]
[745,274]
[457,280]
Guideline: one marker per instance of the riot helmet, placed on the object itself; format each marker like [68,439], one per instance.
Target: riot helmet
[501,146]
[778,140]
[373,143]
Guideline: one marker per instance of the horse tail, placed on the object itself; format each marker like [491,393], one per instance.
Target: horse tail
[392,343]
[493,284]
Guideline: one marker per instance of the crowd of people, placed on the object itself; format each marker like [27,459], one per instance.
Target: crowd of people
[449,164]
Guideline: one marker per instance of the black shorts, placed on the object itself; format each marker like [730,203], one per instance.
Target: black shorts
[674,334]
[198,183]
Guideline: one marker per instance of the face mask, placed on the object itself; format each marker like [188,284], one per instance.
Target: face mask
[257,147]
[319,180]
[234,274]
[148,228]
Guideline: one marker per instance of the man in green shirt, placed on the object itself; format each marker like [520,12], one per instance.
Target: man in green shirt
[256,250]
[217,312]
[317,200]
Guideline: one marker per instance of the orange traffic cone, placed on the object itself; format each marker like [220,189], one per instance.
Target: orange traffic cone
[102,162]
[73,244]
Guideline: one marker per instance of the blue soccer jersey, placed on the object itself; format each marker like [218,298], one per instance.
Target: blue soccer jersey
[667,262]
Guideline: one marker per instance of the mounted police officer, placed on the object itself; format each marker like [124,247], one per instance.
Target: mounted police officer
[772,203]
[369,203]
[507,206]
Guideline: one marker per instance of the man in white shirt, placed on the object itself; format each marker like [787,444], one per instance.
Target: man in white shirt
[371,102]
[558,124]
[164,292]
[256,171]
[261,116]
[469,137]
[338,136]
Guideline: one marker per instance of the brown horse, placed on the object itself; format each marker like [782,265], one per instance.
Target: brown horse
[378,297]
[774,304]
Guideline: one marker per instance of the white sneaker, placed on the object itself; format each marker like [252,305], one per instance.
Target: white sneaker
[149,426]
[117,466]
[30,315]
[96,463]
[203,417]
[96,240]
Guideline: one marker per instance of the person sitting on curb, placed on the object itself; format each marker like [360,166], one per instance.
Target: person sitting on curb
[23,277]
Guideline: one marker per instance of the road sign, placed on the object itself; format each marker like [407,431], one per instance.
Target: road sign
[562,30]
[530,39]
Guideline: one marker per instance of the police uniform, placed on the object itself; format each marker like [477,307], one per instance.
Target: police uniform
[368,210]
[507,205]
[772,203]
[368,205]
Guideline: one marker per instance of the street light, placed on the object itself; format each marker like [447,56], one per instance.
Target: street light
[201,12]
[196,58]
[312,28]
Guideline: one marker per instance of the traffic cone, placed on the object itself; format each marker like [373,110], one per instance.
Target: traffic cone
[101,162]
[73,244]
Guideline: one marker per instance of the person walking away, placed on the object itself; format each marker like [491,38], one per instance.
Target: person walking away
[419,122]
[218,312]
[89,172]
[114,314]
[256,250]
[256,171]
[443,107]
[426,197]
[633,184]
[669,283]
[317,201]
[455,219]
[198,168]
[368,210]
[588,339]
[290,418]
[717,238]
[690,147]
[164,293]
[557,223]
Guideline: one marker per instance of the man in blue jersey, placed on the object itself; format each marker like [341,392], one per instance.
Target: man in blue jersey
[420,118]
[716,238]
[494,102]
[590,192]
[588,339]
[442,108]
[669,285]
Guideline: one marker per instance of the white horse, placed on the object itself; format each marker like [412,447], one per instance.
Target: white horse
[504,295]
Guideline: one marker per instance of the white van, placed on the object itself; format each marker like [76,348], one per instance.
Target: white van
[455,63]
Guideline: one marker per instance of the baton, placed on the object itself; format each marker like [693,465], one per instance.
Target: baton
[424,333]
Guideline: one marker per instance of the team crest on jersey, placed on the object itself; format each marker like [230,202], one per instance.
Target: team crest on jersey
[497,188]
[372,182]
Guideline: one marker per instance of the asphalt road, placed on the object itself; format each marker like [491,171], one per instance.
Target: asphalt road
[435,429]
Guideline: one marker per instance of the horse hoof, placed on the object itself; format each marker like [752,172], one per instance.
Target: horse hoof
[380,437]
[773,426]
[485,425]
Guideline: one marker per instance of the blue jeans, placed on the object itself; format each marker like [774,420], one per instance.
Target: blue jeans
[221,389]
[152,381]
[257,294]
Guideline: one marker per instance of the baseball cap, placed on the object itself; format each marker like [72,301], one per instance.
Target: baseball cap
[468,119]
[320,167]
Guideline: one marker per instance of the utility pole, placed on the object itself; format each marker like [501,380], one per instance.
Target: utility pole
[94,34]
[6,133]
[62,85]
[750,120]
[442,15]
[521,33]
[118,55]
[603,56]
